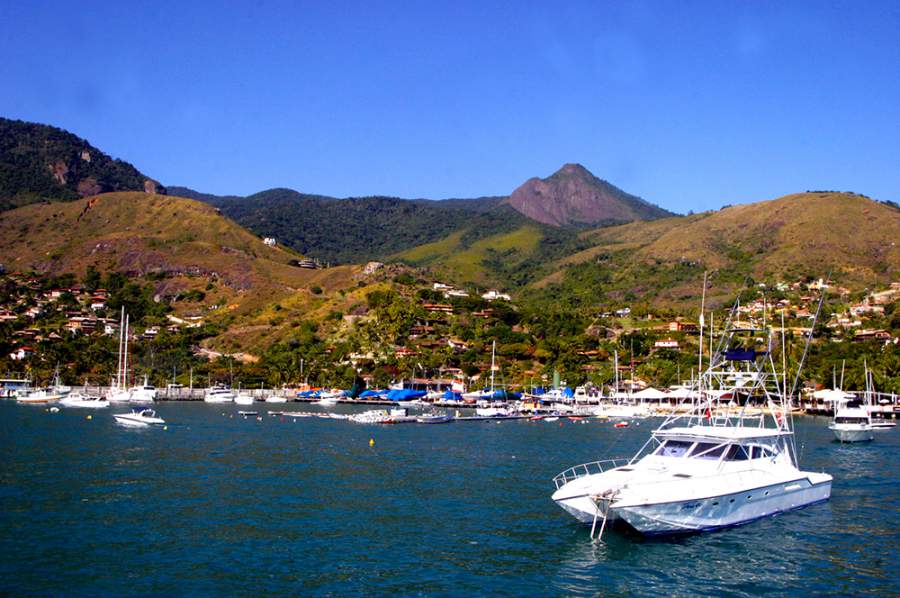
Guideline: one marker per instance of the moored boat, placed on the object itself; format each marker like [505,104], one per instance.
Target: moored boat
[143,418]
[700,471]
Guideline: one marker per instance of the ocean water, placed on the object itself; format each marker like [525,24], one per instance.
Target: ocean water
[218,504]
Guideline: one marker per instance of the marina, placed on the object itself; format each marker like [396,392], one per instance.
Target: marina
[308,500]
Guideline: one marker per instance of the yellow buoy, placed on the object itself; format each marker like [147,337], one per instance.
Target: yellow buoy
[90,417]
[371,442]
[165,427]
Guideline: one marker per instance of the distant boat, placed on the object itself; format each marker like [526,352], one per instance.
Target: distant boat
[275,399]
[852,419]
[218,394]
[33,396]
[243,398]
[434,418]
[77,399]
[145,393]
[144,417]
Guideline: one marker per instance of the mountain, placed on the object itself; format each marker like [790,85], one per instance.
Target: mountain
[354,230]
[40,162]
[574,196]
[180,244]
[793,237]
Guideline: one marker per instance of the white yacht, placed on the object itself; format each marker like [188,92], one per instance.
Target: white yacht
[145,393]
[80,400]
[243,398]
[276,399]
[708,469]
[144,417]
[33,396]
[218,394]
[852,422]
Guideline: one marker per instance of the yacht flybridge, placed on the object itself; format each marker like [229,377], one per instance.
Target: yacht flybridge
[713,467]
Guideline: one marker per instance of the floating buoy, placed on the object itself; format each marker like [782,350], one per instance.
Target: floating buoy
[89,417]
[165,427]
[54,410]
[259,419]
[371,442]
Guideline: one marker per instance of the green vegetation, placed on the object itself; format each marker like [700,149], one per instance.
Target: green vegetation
[40,163]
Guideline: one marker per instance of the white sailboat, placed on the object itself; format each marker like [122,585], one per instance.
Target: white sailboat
[118,391]
[711,468]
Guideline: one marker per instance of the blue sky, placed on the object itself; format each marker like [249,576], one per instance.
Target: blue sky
[691,105]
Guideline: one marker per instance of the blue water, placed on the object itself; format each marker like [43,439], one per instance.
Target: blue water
[218,504]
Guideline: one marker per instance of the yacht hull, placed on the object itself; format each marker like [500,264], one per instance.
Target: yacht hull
[705,514]
[853,434]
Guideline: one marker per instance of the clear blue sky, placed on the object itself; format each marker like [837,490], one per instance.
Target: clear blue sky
[691,105]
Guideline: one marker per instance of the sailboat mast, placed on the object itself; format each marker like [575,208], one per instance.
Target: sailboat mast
[121,337]
[125,355]
[493,357]
[700,352]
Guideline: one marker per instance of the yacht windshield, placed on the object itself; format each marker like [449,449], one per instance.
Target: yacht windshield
[708,450]
[851,420]
[737,452]
[674,448]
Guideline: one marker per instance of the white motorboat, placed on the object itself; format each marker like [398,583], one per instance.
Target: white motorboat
[372,416]
[83,401]
[32,396]
[852,416]
[218,394]
[328,401]
[144,393]
[144,417]
[708,469]
[852,422]
[434,418]
[243,398]
[275,399]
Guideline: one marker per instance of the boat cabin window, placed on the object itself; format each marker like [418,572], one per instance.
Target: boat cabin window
[851,420]
[737,452]
[761,453]
[708,450]
[674,448]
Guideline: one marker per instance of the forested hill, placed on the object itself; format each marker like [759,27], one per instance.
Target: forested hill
[40,162]
[356,230]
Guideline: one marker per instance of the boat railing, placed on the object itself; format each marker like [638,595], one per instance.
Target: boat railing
[586,469]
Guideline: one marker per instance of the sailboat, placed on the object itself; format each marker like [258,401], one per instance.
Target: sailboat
[710,468]
[118,391]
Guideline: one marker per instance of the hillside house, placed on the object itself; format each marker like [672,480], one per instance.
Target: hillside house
[7,316]
[21,353]
[494,295]
[483,314]
[683,327]
[456,293]
[438,307]
[405,352]
[269,241]
[666,343]
[871,335]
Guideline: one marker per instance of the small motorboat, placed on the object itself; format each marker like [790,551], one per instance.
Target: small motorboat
[144,417]
[77,399]
[274,399]
[247,413]
[434,418]
[243,399]
[551,419]
[621,425]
